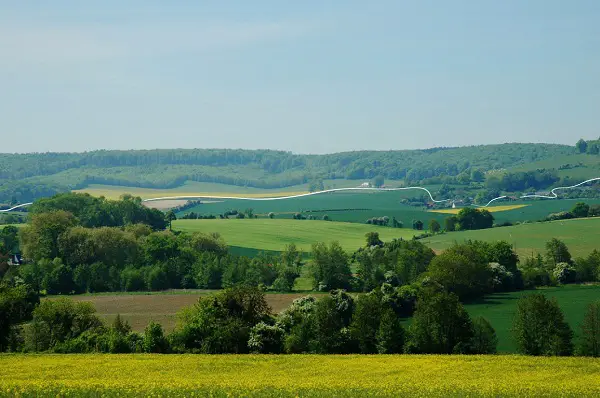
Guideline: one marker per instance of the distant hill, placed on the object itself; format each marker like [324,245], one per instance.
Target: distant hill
[24,177]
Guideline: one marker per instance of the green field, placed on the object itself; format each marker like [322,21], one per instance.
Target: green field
[89,375]
[359,206]
[273,235]
[500,308]
[581,236]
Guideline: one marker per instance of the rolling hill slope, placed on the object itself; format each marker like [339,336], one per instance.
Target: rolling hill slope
[273,235]
[24,177]
[580,235]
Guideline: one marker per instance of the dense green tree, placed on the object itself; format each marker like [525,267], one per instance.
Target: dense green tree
[154,340]
[589,344]
[16,306]
[331,320]
[418,225]
[39,239]
[330,267]
[580,210]
[9,238]
[564,273]
[373,239]
[440,325]
[484,339]
[378,181]
[365,322]
[221,323]
[477,175]
[170,217]
[451,223]
[469,218]
[540,328]
[60,279]
[581,145]
[266,339]
[57,321]
[390,335]
[557,252]
[588,269]
[434,226]
[462,269]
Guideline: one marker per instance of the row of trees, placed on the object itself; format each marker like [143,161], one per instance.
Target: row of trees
[591,147]
[92,212]
[469,218]
[134,258]
[580,210]
[239,320]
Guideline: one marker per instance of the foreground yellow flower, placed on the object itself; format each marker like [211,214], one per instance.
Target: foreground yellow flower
[297,375]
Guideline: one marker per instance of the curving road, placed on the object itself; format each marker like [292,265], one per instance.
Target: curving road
[552,195]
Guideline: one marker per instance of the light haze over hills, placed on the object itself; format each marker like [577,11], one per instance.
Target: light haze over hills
[307,77]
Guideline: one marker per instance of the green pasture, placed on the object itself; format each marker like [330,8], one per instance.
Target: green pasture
[359,206]
[581,236]
[499,309]
[273,235]
[354,207]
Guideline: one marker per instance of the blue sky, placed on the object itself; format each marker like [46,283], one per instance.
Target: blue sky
[305,76]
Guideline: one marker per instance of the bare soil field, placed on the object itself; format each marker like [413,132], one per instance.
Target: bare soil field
[140,309]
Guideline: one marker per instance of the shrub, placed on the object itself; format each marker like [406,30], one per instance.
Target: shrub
[266,339]
[564,273]
[154,340]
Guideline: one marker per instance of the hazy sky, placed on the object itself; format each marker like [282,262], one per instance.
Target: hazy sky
[306,76]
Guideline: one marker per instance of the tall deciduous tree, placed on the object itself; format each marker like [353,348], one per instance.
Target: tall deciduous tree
[440,325]
[557,252]
[540,327]
[581,145]
[330,268]
[590,331]
[39,239]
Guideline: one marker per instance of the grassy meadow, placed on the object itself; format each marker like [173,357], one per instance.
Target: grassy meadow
[357,207]
[499,309]
[297,376]
[274,234]
[580,235]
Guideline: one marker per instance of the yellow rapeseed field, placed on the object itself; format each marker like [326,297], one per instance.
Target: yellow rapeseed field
[297,376]
[493,209]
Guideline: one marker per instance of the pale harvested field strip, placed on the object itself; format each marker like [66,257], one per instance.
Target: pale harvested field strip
[139,310]
[492,209]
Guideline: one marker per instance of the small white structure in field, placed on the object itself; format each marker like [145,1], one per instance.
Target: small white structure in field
[453,205]
[365,185]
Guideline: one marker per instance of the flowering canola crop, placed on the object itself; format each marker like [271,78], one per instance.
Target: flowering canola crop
[297,376]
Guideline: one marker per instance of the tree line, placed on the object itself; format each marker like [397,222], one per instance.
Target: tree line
[238,320]
[23,176]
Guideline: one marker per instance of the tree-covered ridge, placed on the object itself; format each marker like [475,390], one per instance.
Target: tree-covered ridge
[359,164]
[25,177]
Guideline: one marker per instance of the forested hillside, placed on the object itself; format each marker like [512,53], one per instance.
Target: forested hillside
[24,177]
